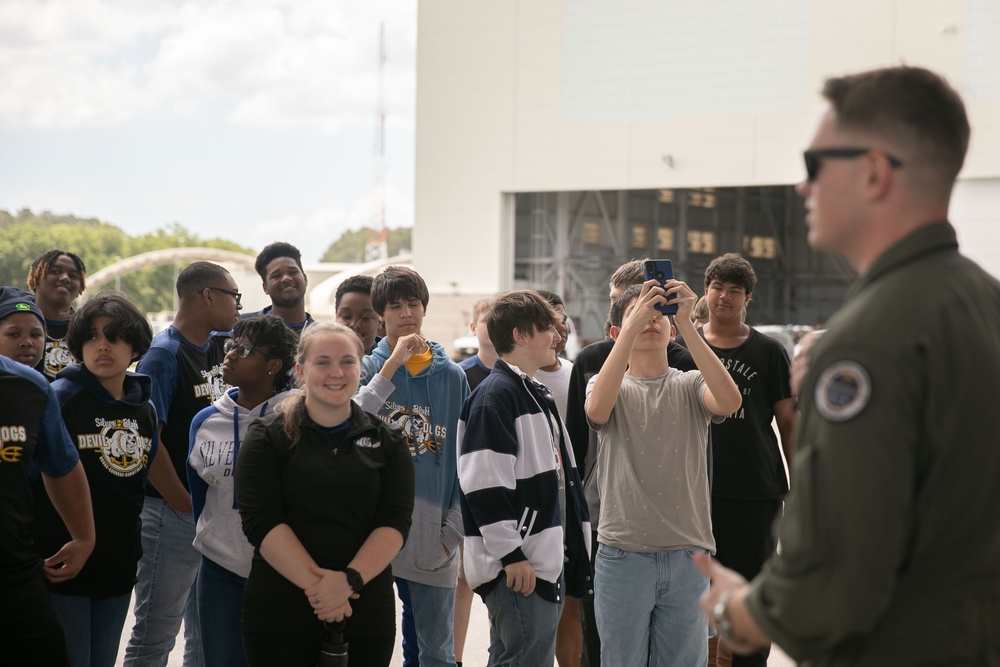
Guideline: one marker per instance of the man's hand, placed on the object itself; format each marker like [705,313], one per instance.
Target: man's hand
[406,347]
[744,637]
[70,495]
[67,562]
[521,578]
[679,293]
[644,310]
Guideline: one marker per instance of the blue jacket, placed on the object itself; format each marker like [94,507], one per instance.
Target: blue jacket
[509,473]
[426,408]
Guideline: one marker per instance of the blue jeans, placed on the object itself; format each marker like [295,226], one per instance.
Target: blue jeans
[165,592]
[647,608]
[522,629]
[220,610]
[93,627]
[427,621]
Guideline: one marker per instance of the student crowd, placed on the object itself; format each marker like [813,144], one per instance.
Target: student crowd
[276,482]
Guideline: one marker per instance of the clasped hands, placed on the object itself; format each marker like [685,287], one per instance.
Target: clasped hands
[330,595]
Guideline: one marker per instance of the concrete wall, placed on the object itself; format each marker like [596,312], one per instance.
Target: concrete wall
[975,210]
[539,95]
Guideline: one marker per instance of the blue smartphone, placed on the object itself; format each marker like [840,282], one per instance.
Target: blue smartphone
[661,270]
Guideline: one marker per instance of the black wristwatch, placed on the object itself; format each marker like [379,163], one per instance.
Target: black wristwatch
[354,579]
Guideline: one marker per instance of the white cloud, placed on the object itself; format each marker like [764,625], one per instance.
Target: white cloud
[271,63]
[313,233]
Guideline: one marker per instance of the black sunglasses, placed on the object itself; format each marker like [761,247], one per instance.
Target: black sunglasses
[235,295]
[813,158]
[243,350]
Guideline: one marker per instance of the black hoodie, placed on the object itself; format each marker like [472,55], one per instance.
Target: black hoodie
[116,441]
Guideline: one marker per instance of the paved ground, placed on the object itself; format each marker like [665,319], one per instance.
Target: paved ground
[476,646]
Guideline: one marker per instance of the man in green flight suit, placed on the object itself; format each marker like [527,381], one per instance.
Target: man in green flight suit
[890,543]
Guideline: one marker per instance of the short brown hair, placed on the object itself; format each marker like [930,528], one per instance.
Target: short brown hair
[620,304]
[911,106]
[524,310]
[395,283]
[481,307]
[628,274]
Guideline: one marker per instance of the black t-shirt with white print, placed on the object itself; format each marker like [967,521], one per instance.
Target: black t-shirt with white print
[746,456]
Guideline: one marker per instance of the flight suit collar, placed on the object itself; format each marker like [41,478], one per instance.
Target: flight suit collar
[926,240]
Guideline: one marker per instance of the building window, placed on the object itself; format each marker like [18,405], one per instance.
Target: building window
[701,242]
[640,236]
[591,232]
[761,247]
[664,238]
[700,199]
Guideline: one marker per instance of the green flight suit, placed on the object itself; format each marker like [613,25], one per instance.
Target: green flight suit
[891,534]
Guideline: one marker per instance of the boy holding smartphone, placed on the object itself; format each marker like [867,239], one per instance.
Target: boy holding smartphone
[652,424]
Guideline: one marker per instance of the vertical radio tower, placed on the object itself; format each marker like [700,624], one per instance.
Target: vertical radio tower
[377,246]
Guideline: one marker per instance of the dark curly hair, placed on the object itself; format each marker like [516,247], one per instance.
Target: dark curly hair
[127,323]
[274,251]
[731,268]
[272,335]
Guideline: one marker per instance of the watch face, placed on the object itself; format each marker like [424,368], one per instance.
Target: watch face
[354,579]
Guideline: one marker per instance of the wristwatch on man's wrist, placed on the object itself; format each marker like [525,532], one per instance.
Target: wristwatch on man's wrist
[724,625]
[354,579]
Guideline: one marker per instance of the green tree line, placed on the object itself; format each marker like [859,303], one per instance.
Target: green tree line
[350,247]
[25,235]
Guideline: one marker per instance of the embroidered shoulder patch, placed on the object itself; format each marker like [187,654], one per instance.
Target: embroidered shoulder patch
[842,391]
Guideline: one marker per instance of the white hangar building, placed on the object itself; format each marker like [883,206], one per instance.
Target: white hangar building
[558,138]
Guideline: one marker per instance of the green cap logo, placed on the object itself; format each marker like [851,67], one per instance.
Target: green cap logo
[22,306]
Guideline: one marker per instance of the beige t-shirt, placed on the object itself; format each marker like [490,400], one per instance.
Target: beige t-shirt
[652,465]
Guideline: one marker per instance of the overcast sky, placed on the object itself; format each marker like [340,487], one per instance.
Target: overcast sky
[250,120]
